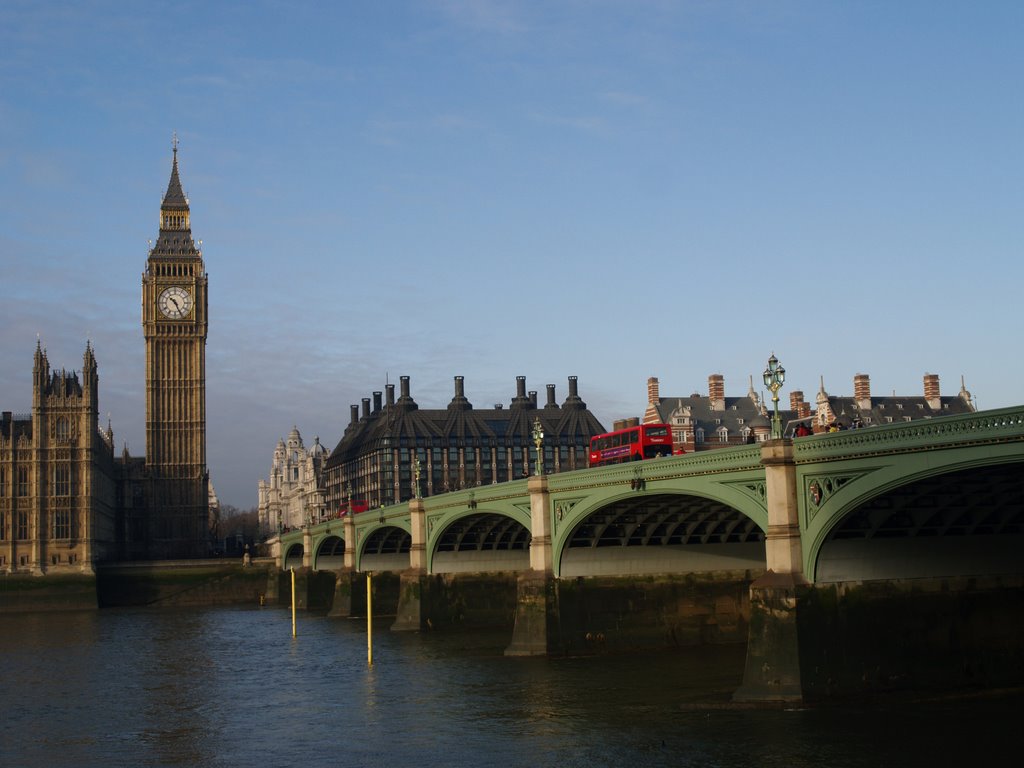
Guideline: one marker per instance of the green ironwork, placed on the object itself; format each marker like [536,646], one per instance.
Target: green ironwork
[835,473]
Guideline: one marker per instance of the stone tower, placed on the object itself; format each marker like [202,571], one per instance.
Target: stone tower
[174,324]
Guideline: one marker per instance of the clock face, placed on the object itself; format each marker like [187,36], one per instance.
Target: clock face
[175,302]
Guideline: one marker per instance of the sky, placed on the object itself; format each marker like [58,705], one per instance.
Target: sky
[611,190]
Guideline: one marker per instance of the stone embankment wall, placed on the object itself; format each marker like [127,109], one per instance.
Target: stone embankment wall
[181,583]
[916,634]
[54,592]
[588,614]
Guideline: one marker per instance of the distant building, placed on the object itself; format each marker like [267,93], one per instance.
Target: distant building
[457,447]
[701,423]
[294,494]
[863,409]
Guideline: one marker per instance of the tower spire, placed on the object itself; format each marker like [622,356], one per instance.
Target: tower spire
[174,198]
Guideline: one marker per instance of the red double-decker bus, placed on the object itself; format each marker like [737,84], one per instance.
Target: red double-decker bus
[355,507]
[631,444]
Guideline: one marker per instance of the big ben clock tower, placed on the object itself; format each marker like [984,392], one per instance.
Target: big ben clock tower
[174,321]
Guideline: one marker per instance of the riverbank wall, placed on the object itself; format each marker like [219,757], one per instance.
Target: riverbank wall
[181,583]
[21,592]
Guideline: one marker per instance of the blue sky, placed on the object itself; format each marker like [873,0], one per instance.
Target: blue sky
[611,190]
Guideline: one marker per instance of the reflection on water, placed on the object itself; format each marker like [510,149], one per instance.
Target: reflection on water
[226,687]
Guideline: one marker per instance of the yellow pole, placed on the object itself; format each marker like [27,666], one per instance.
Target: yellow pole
[369,618]
[293,602]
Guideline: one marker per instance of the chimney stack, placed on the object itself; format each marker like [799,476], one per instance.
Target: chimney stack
[796,397]
[366,407]
[389,397]
[404,384]
[862,391]
[653,395]
[931,391]
[716,391]
[353,413]
[520,397]
[376,401]
[551,397]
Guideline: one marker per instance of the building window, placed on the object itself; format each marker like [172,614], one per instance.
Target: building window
[62,428]
[698,435]
[62,524]
[3,481]
[3,525]
[22,526]
[62,481]
[22,481]
[723,435]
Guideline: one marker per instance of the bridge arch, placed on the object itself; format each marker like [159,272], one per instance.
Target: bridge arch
[293,556]
[670,531]
[479,540]
[925,520]
[383,547]
[329,554]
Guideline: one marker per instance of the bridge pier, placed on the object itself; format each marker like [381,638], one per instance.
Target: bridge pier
[414,584]
[772,671]
[536,631]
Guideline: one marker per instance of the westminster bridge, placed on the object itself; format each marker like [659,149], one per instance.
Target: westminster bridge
[923,521]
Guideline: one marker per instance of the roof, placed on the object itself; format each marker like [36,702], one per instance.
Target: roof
[175,198]
[405,424]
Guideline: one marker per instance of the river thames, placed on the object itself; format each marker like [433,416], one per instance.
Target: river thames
[231,687]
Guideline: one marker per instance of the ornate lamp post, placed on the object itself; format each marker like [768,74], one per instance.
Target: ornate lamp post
[538,439]
[416,474]
[774,375]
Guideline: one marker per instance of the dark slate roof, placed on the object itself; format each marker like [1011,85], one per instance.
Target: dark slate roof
[174,198]
[459,423]
[739,412]
[895,409]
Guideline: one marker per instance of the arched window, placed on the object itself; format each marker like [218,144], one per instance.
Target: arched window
[698,435]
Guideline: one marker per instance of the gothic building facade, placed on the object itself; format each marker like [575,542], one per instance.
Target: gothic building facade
[58,479]
[66,501]
[174,324]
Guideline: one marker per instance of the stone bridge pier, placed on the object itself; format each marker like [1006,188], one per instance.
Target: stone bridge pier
[772,669]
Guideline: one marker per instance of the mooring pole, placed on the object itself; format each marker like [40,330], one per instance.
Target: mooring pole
[293,602]
[369,618]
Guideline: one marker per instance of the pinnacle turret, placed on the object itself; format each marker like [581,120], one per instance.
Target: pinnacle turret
[175,198]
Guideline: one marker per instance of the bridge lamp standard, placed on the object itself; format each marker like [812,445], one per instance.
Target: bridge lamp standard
[774,375]
[538,438]
[416,474]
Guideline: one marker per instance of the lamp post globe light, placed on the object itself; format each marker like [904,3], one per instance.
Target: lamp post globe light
[538,438]
[774,375]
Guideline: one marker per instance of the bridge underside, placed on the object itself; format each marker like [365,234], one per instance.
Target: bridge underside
[386,549]
[964,523]
[664,533]
[482,542]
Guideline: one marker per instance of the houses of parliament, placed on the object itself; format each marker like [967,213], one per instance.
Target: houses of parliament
[67,501]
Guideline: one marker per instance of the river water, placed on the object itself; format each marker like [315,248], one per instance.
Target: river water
[232,687]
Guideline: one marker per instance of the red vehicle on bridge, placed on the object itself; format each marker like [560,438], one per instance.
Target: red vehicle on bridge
[644,441]
[355,507]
